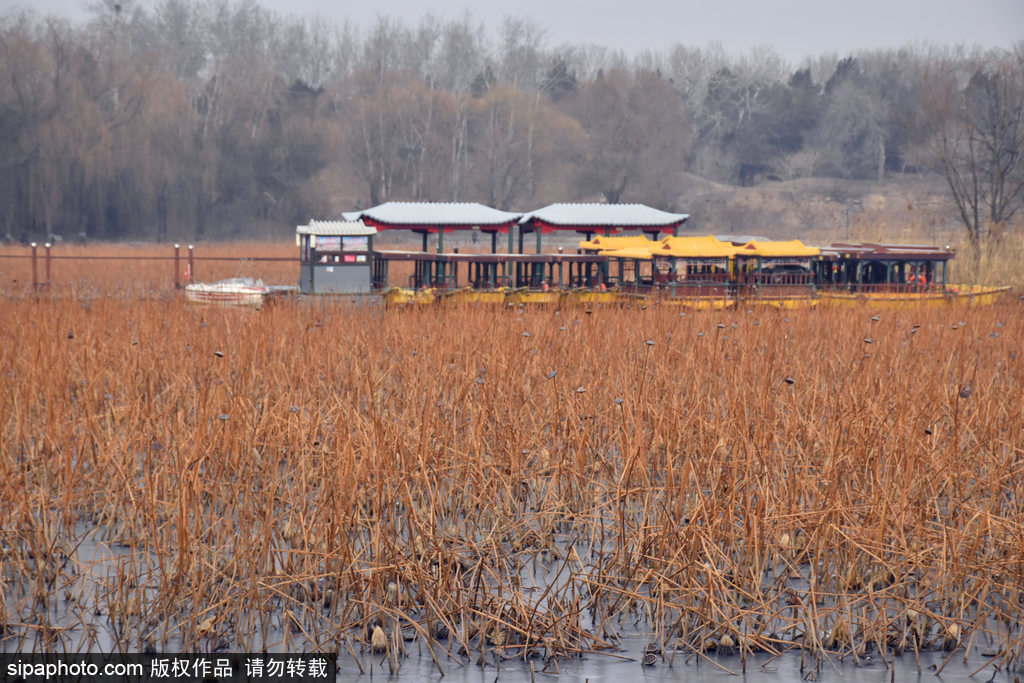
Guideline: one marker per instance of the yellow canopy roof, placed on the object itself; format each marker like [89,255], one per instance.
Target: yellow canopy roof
[695,247]
[776,249]
[641,253]
[609,243]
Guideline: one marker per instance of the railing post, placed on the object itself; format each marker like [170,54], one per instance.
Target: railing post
[47,260]
[191,273]
[177,280]
[35,268]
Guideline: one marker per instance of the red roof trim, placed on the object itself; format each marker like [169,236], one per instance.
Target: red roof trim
[549,227]
[433,229]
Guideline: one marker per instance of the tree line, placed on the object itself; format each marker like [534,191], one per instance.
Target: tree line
[203,119]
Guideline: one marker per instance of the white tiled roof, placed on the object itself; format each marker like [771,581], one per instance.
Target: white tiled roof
[336,228]
[434,213]
[605,214]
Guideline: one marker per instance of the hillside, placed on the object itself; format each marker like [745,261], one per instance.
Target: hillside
[905,208]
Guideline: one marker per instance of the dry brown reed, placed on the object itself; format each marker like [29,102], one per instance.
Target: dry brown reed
[323,475]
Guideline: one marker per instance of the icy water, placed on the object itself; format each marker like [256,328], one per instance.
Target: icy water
[84,627]
[626,666]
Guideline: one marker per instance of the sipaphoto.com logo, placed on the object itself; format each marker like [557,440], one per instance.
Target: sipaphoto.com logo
[71,669]
[167,667]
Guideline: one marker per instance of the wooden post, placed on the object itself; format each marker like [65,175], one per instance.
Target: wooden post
[191,264]
[47,245]
[177,260]
[35,268]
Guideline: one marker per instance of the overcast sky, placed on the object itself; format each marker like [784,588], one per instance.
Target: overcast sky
[795,28]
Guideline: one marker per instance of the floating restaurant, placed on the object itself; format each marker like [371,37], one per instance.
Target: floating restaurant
[628,251]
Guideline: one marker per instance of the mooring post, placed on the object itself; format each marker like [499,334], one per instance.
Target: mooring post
[177,258]
[47,259]
[35,269]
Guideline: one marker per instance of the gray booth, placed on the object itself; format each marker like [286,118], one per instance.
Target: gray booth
[337,257]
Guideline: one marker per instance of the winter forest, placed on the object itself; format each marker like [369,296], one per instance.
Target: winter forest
[221,119]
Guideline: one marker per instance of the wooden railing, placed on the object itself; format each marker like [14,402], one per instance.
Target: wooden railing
[183,266]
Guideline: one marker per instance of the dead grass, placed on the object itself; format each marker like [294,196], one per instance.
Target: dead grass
[510,482]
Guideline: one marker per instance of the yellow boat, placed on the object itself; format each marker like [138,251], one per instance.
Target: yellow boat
[978,295]
[400,296]
[782,303]
[588,296]
[535,296]
[954,295]
[468,295]
[699,303]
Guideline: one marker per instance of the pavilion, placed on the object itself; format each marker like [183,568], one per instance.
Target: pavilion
[883,266]
[596,219]
[438,218]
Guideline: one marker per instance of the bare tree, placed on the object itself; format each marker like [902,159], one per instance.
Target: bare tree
[638,136]
[851,132]
[520,144]
[521,57]
[980,142]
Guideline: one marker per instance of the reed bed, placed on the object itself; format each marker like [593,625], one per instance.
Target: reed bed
[485,485]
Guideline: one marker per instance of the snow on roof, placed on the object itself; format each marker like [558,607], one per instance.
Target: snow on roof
[627,215]
[445,214]
[336,228]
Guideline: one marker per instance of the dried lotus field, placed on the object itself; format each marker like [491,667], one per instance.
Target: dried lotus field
[513,487]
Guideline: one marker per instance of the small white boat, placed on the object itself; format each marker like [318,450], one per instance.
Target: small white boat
[236,291]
